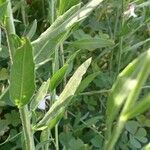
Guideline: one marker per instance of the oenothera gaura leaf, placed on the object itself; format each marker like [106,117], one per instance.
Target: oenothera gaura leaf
[135,77]
[87,81]
[22,75]
[140,107]
[57,77]
[92,43]
[39,95]
[65,96]
[44,47]
[126,82]
[46,43]
[32,30]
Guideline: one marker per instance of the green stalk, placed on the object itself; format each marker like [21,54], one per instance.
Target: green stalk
[64,81]
[23,12]
[56,137]
[55,68]
[45,135]
[27,131]
[10,29]
[120,42]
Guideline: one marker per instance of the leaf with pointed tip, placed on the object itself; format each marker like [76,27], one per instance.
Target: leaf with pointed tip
[92,43]
[32,30]
[40,95]
[127,81]
[44,47]
[140,108]
[87,81]
[57,77]
[65,96]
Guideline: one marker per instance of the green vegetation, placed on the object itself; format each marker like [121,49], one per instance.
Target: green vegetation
[74,74]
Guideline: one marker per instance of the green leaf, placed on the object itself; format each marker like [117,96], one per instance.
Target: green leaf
[22,76]
[64,5]
[65,96]
[54,121]
[3,127]
[44,47]
[3,8]
[132,126]
[32,30]
[57,77]
[39,95]
[130,79]
[119,93]
[87,81]
[141,106]
[5,98]
[97,141]
[135,142]
[141,132]
[144,120]
[133,82]
[135,46]
[16,41]
[4,53]
[3,74]
[92,43]
[13,118]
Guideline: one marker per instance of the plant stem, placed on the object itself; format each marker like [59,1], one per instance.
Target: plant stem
[10,29]
[23,12]
[27,131]
[45,135]
[56,137]
[64,81]
[55,68]
[120,41]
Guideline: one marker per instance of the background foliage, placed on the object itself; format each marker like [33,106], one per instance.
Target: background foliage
[112,39]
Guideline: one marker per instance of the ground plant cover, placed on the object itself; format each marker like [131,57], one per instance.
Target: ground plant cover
[74,75]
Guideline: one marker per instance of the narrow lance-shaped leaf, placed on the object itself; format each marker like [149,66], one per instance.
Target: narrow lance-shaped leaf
[32,30]
[48,40]
[65,96]
[40,95]
[137,79]
[141,106]
[87,81]
[57,77]
[92,43]
[121,89]
[60,26]
[22,77]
